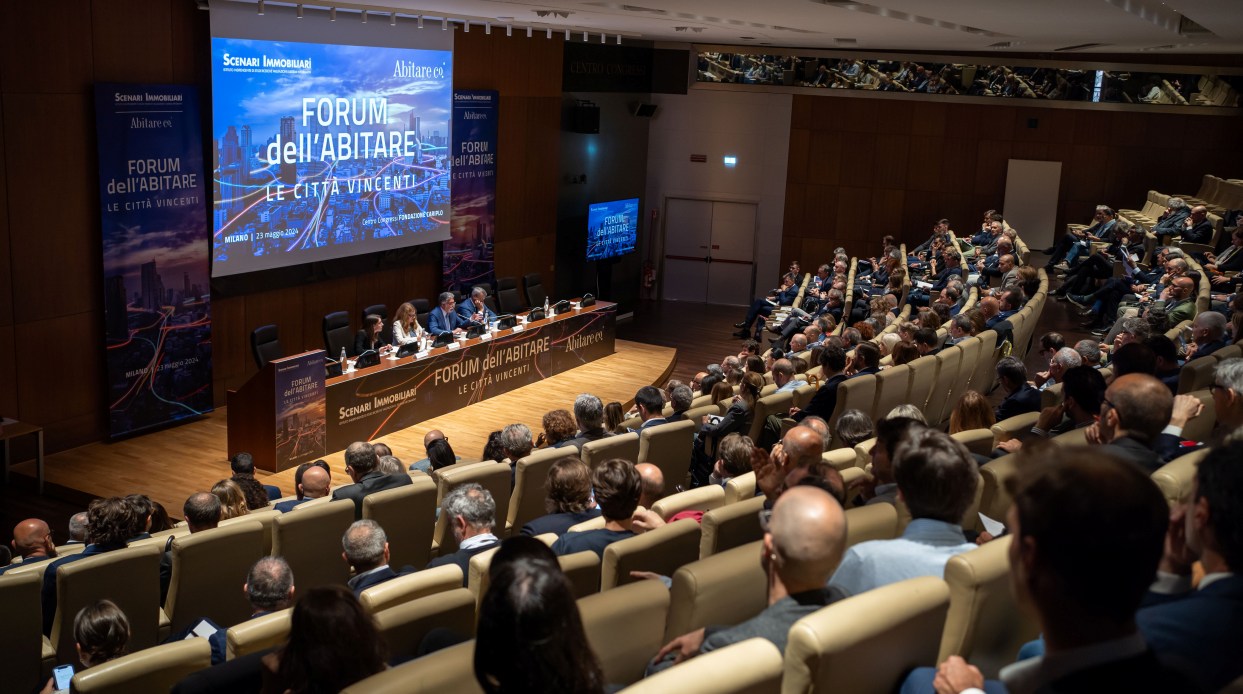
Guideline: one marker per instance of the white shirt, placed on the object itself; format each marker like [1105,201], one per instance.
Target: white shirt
[401,337]
[477,540]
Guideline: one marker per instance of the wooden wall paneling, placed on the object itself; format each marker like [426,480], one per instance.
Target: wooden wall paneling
[321,298]
[283,307]
[473,61]
[992,123]
[892,157]
[512,64]
[53,394]
[929,119]
[1052,125]
[814,251]
[793,223]
[230,346]
[1084,173]
[53,208]
[826,113]
[421,281]
[885,215]
[858,160]
[6,272]
[546,58]
[542,142]
[992,158]
[853,208]
[1027,149]
[10,401]
[820,211]
[385,286]
[924,162]
[512,148]
[188,35]
[1093,127]
[958,162]
[799,155]
[895,118]
[860,115]
[118,26]
[45,48]
[800,111]
[825,158]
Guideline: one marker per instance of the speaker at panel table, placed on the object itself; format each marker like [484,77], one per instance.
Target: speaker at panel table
[612,228]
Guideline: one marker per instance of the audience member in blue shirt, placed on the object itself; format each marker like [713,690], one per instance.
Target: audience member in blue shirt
[617,487]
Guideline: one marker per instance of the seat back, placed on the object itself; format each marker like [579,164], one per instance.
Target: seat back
[1196,374]
[871,522]
[751,667]
[310,541]
[740,488]
[202,563]
[625,627]
[407,515]
[265,345]
[970,356]
[668,447]
[447,671]
[21,639]
[507,296]
[404,626]
[841,458]
[804,394]
[526,502]
[1200,427]
[923,378]
[985,624]
[730,526]
[778,404]
[129,577]
[726,588]
[1229,352]
[260,633]
[985,374]
[867,643]
[939,404]
[583,571]
[265,517]
[412,586]
[534,288]
[994,499]
[337,333]
[492,476]
[978,441]
[624,446]
[660,551]
[856,393]
[893,386]
[1013,427]
[703,498]
[154,669]
[1176,479]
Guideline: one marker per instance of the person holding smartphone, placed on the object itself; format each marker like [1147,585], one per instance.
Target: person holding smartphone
[101,632]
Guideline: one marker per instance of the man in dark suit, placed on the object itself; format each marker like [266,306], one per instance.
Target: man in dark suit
[832,363]
[360,464]
[111,522]
[1021,397]
[589,413]
[1230,260]
[1136,408]
[680,400]
[1008,305]
[243,466]
[471,513]
[1197,228]
[312,482]
[365,548]
[1208,333]
[269,588]
[474,310]
[651,405]
[443,318]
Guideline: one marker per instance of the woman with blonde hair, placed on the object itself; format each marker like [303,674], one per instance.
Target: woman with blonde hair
[879,309]
[722,391]
[232,499]
[406,328]
[972,412]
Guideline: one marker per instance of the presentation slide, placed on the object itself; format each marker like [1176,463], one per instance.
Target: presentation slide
[612,228]
[324,151]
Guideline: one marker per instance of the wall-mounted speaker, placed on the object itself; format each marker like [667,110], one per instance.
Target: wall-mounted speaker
[584,118]
[644,110]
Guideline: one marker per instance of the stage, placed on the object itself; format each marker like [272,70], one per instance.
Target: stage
[170,465]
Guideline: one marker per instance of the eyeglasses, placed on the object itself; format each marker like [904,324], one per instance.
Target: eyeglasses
[1105,401]
[1216,387]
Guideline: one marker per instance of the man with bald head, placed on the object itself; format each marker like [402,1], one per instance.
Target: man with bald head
[1135,410]
[801,447]
[425,465]
[652,487]
[783,376]
[803,541]
[316,483]
[32,541]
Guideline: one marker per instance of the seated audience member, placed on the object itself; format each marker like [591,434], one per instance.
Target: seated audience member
[803,540]
[381,449]
[110,523]
[651,406]
[617,486]
[493,450]
[558,426]
[269,588]
[569,500]
[313,481]
[77,528]
[474,310]
[854,427]
[1083,391]
[614,415]
[822,404]
[1133,358]
[142,510]
[1064,358]
[1084,592]
[471,514]
[530,635]
[904,353]
[589,413]
[360,465]
[866,360]
[936,478]
[32,541]
[202,511]
[909,411]
[737,419]
[1050,343]
[243,467]
[1089,353]
[160,521]
[1136,408]
[441,456]
[794,457]
[332,644]
[389,465]
[1021,397]
[425,465]
[101,633]
[653,484]
[680,400]
[1166,367]
[733,458]
[971,412]
[232,500]
[516,440]
[723,391]
[1208,334]
[784,377]
[365,549]
[890,431]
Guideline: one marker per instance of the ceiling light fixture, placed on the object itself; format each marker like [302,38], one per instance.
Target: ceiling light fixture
[487,28]
[364,16]
[567,34]
[528,32]
[619,39]
[299,10]
[332,14]
[260,8]
[465,27]
[444,23]
[602,39]
[548,32]
[420,21]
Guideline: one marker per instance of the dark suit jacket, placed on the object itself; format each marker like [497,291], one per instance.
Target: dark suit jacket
[1200,233]
[25,562]
[1021,401]
[371,482]
[361,344]
[360,583]
[287,506]
[1201,627]
[462,559]
[578,441]
[558,523]
[1142,673]
[1136,451]
[274,492]
[439,322]
[823,402]
[1206,349]
[466,310]
[1232,263]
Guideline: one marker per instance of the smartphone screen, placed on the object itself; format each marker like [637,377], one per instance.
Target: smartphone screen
[62,674]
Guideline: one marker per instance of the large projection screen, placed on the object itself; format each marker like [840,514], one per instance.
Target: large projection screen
[331,139]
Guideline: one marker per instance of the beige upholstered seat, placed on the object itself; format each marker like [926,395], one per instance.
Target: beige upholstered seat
[26,655]
[985,624]
[495,477]
[753,666]
[1176,479]
[583,571]
[863,453]
[1200,428]
[778,404]
[625,627]
[726,589]
[972,349]
[869,642]
[593,524]
[310,541]
[404,626]
[668,447]
[526,502]
[209,568]
[841,458]
[662,551]
[1014,427]
[1074,437]
[1229,352]
[1051,396]
[254,635]
[267,518]
[703,498]
[730,526]
[407,515]
[871,522]
[939,403]
[1196,374]
[923,378]
[447,671]
[893,385]
[856,393]
[154,669]
[696,414]
[413,586]
[979,441]
[985,373]
[803,394]
[994,499]
[477,580]
[129,577]
[624,446]
[739,488]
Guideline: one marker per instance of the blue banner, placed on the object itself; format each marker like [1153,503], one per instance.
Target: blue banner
[467,255]
[300,409]
[153,217]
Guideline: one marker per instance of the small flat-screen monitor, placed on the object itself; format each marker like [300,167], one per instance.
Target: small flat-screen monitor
[612,228]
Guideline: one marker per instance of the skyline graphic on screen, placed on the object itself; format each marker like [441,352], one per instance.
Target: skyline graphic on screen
[612,228]
[323,151]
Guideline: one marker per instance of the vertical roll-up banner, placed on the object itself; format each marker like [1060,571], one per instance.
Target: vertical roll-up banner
[467,255]
[153,218]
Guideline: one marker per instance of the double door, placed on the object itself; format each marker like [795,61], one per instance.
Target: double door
[709,251]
